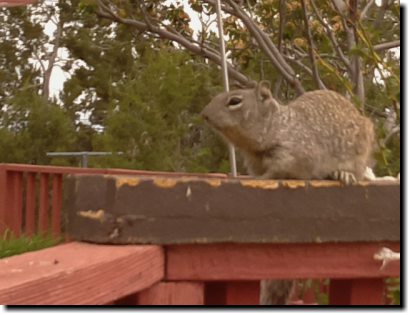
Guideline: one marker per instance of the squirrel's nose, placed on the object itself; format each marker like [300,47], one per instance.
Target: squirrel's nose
[205,115]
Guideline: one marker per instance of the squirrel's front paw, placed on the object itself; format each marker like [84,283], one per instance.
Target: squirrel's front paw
[347,178]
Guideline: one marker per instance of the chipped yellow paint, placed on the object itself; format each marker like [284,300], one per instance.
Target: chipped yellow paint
[293,183]
[364,183]
[324,183]
[97,215]
[263,184]
[129,181]
[165,182]
[214,182]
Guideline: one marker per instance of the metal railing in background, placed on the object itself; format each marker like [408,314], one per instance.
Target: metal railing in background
[84,155]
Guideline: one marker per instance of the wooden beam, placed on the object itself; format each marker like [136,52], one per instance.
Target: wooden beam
[173,293]
[30,226]
[57,204]
[16,204]
[6,193]
[44,215]
[181,210]
[232,293]
[209,262]
[79,274]
[357,291]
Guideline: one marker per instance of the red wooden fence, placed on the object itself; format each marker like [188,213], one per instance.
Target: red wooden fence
[31,195]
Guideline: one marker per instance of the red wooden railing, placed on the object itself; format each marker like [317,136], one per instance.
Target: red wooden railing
[31,195]
[31,202]
[77,273]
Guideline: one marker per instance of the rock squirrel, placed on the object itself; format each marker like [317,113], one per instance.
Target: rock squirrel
[319,135]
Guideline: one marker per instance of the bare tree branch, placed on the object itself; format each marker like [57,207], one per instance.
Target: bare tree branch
[282,21]
[387,45]
[106,12]
[336,47]
[382,11]
[350,25]
[51,62]
[300,64]
[312,58]
[40,61]
[267,46]
[365,9]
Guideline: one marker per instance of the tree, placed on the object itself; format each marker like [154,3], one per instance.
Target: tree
[299,45]
[154,118]
[31,122]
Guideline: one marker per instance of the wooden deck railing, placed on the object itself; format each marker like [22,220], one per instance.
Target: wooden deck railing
[321,231]
[31,195]
[211,274]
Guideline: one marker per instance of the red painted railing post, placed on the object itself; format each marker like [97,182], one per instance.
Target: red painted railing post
[366,291]
[16,207]
[57,202]
[11,188]
[30,226]
[3,200]
[232,293]
[172,293]
[44,204]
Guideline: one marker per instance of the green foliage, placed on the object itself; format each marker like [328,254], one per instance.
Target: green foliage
[154,119]
[10,245]
[393,290]
[143,94]
[33,127]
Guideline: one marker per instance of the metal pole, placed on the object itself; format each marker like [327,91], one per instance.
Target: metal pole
[84,163]
[232,158]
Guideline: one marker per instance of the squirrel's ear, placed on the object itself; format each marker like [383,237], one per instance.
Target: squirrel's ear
[263,90]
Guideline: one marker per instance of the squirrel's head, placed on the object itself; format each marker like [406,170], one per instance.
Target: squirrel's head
[239,111]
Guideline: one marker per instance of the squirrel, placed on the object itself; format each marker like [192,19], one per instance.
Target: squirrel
[319,135]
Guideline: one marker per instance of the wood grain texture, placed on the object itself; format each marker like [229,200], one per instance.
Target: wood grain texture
[208,262]
[79,274]
[30,226]
[357,291]
[5,193]
[17,203]
[180,210]
[173,293]
[57,193]
[44,203]
[232,293]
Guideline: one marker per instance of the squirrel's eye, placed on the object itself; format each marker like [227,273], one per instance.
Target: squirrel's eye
[234,102]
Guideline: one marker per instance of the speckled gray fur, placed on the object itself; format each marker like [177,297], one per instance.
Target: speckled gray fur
[318,135]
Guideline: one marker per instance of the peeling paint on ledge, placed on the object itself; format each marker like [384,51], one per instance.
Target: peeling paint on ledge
[97,215]
[324,183]
[263,184]
[129,181]
[293,183]
[165,182]
[214,182]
